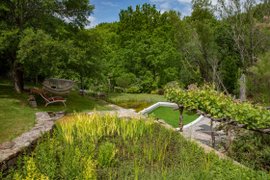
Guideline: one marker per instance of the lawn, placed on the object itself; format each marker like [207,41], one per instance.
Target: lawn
[105,147]
[134,101]
[16,116]
[170,116]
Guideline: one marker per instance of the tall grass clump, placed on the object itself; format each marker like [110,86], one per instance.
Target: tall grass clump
[106,147]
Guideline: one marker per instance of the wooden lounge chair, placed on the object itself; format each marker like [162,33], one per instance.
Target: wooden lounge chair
[48,100]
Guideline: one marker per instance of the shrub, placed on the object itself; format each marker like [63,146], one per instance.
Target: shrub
[174,84]
[125,80]
[158,91]
[134,89]
[252,149]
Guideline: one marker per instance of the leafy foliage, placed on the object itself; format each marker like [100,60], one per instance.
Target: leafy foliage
[220,106]
[252,149]
[40,53]
[49,18]
[143,35]
[259,76]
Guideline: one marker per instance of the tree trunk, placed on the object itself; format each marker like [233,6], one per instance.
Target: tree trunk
[36,79]
[243,88]
[212,134]
[229,139]
[181,109]
[17,73]
[82,88]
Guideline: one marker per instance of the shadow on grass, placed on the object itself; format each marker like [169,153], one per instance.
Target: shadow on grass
[16,116]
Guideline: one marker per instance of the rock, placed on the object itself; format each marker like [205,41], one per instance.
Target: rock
[7,145]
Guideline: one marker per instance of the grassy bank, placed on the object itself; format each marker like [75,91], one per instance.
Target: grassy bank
[16,116]
[104,147]
[172,117]
[134,101]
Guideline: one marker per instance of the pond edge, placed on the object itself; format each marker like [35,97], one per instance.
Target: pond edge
[168,104]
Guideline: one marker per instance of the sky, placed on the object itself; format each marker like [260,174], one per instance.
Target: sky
[108,10]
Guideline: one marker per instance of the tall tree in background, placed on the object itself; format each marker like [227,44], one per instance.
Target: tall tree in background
[204,22]
[84,59]
[244,30]
[147,45]
[17,15]
[40,54]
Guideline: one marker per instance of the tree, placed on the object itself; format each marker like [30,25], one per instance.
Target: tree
[230,62]
[147,45]
[247,36]
[85,52]
[204,22]
[40,54]
[17,15]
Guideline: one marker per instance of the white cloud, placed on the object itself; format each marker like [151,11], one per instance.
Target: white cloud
[165,6]
[93,22]
[183,6]
[108,3]
[184,1]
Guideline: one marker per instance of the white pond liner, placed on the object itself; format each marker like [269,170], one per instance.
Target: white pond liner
[168,104]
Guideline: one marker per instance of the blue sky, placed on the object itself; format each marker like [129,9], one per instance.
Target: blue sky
[108,10]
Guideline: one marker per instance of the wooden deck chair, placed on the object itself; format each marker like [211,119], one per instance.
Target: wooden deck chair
[48,100]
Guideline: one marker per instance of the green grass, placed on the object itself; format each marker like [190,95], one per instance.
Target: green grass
[170,116]
[134,101]
[16,116]
[74,103]
[105,147]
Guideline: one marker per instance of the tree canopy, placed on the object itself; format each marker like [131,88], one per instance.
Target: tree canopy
[142,52]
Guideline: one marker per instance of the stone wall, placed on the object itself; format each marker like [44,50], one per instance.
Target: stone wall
[10,151]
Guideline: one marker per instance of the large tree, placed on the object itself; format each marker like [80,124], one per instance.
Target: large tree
[204,22]
[244,19]
[147,45]
[17,15]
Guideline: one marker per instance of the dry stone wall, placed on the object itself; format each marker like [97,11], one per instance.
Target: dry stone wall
[9,151]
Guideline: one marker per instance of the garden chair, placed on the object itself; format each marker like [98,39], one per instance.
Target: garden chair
[48,100]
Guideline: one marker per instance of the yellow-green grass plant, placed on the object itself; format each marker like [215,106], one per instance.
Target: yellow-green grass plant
[107,147]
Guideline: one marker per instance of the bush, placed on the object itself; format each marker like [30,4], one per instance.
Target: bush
[252,149]
[119,89]
[158,91]
[125,80]
[174,84]
[134,89]
[147,82]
